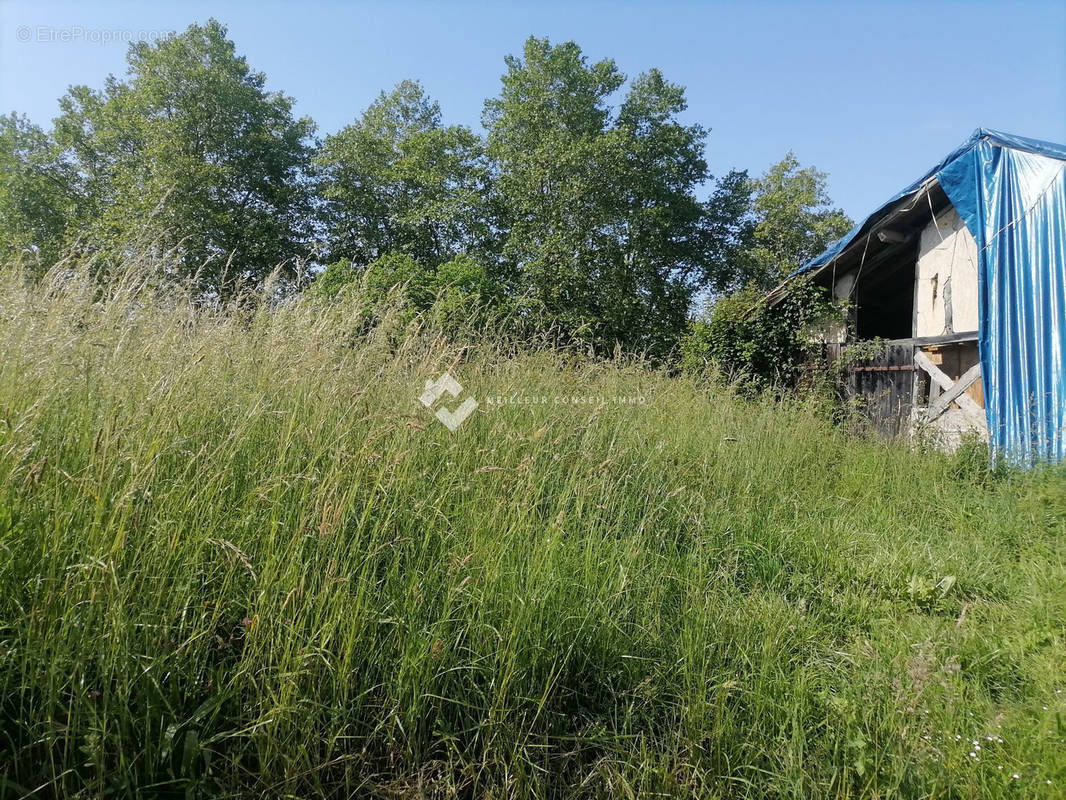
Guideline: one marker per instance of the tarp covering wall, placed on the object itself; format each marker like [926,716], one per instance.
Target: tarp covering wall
[1011,193]
[1014,203]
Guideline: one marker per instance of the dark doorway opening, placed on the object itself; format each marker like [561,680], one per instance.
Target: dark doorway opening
[884,300]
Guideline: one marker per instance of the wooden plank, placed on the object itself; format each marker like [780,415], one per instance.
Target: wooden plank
[885,379]
[900,368]
[916,385]
[974,412]
[947,338]
[952,394]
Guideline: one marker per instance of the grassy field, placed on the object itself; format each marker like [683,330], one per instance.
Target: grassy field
[239,558]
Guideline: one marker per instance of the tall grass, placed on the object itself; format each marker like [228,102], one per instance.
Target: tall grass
[239,558]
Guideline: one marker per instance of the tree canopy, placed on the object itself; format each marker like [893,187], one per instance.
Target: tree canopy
[586,209]
[795,220]
[35,193]
[603,226]
[193,155]
[397,179]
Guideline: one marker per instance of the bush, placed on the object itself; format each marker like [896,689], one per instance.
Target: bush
[458,297]
[757,343]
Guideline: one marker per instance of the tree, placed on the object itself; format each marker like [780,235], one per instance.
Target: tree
[729,225]
[397,180]
[35,194]
[665,249]
[602,225]
[193,155]
[795,221]
[768,228]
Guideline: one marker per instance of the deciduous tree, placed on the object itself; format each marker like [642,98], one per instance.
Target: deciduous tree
[193,154]
[399,181]
[36,201]
[795,220]
[603,227]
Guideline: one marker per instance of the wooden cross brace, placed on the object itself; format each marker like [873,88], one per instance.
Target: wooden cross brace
[953,391]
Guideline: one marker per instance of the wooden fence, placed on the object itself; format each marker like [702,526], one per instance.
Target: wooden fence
[930,381]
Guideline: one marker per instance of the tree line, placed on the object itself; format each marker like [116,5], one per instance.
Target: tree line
[586,207]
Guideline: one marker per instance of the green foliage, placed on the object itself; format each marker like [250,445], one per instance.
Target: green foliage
[331,281]
[728,229]
[455,294]
[602,225]
[769,227]
[795,221]
[398,270]
[579,208]
[762,343]
[36,201]
[465,277]
[398,181]
[191,155]
[240,559]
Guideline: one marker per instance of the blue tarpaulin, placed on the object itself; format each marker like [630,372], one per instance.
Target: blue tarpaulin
[1011,193]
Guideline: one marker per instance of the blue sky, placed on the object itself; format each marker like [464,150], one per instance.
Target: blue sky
[872,93]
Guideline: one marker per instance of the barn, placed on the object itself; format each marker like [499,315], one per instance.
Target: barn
[962,278]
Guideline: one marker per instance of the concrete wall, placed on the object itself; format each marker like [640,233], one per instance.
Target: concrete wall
[945,287]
